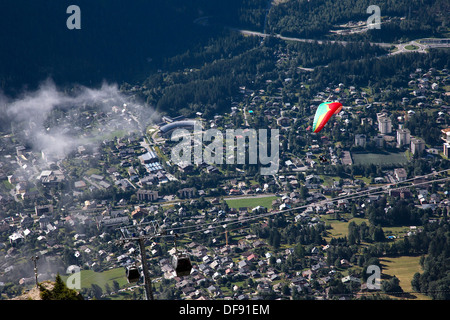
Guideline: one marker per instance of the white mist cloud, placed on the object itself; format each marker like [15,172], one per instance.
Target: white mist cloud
[29,112]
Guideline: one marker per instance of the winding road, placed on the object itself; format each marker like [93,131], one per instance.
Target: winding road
[401,48]
[263,35]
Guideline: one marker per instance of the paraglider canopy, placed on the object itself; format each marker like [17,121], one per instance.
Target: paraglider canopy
[324,113]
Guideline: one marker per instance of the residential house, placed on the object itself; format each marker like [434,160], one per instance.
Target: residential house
[44,209]
[147,195]
[139,213]
[417,145]
[400,174]
[187,193]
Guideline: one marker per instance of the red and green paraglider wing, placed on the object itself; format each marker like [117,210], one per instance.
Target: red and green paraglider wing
[324,113]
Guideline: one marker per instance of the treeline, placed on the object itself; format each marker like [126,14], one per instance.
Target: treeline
[223,45]
[200,182]
[364,232]
[424,126]
[118,41]
[310,19]
[402,213]
[433,243]
[210,88]
[279,231]
[384,73]
[435,279]
[312,54]
[206,78]
[247,14]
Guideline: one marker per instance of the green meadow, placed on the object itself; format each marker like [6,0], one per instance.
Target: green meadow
[251,202]
[382,158]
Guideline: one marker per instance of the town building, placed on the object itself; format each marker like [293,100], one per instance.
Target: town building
[446,138]
[360,140]
[400,174]
[417,146]
[167,129]
[186,193]
[379,141]
[147,195]
[384,123]
[403,137]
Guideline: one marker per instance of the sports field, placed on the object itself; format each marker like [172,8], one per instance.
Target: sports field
[251,202]
[385,158]
[89,277]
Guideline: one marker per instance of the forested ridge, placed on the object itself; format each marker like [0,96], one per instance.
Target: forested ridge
[129,42]
[210,87]
[118,41]
[386,72]
[435,279]
[311,19]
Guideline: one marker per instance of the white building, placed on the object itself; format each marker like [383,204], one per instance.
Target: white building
[417,145]
[360,140]
[446,138]
[403,137]
[400,174]
[379,141]
[385,124]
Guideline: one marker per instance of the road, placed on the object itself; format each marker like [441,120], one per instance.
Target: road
[245,116]
[263,35]
[401,48]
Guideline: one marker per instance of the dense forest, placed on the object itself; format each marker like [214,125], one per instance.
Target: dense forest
[229,61]
[246,14]
[210,88]
[311,19]
[435,279]
[391,72]
[131,42]
[118,41]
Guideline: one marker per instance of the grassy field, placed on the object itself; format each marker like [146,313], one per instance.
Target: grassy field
[386,158]
[339,228]
[398,232]
[404,269]
[328,180]
[251,202]
[411,47]
[89,277]
[7,185]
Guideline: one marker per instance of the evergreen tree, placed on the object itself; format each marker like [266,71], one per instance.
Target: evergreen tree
[59,292]
[392,285]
